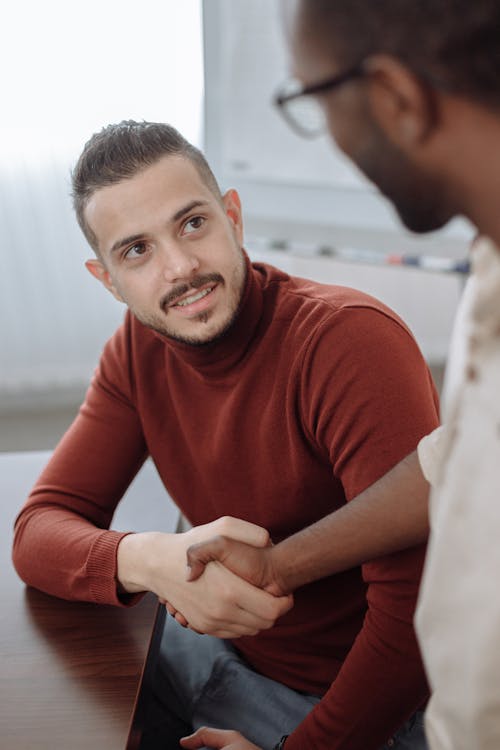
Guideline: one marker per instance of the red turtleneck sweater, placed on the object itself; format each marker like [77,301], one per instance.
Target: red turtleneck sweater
[314,393]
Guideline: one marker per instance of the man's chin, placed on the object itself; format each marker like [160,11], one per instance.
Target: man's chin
[422,223]
[203,338]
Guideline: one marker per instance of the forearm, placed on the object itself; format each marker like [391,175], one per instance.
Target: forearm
[63,554]
[392,514]
[62,542]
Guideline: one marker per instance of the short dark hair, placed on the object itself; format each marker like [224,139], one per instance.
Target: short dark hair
[455,42]
[119,152]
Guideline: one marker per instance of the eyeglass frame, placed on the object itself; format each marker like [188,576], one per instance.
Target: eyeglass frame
[356,71]
[280,100]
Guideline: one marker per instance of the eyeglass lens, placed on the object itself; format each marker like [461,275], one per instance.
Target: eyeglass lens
[305,115]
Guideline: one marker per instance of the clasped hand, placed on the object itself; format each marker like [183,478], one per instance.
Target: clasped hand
[220,602]
[250,560]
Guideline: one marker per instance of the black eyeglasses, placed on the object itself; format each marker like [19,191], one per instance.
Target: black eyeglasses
[301,111]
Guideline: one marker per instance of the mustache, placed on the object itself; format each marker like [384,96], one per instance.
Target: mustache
[181,289]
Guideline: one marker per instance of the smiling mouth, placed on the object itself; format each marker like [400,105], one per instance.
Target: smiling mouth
[194,297]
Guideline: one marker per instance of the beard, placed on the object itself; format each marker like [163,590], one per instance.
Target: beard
[159,323]
[418,198]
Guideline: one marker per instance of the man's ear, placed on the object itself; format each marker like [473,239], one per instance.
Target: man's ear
[100,272]
[232,205]
[402,104]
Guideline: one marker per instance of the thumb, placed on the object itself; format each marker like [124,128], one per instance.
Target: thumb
[199,555]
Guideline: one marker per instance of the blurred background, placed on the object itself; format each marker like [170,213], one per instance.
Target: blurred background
[209,68]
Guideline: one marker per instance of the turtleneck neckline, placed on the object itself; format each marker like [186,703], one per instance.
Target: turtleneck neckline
[219,357]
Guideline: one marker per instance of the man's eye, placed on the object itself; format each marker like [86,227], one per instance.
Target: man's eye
[135,251]
[194,224]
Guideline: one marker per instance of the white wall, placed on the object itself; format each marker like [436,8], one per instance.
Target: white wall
[69,69]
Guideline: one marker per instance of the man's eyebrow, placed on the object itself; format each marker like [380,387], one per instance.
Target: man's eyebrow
[187,208]
[125,241]
[178,215]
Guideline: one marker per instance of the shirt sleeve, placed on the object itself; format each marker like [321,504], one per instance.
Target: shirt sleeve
[65,521]
[383,402]
[430,454]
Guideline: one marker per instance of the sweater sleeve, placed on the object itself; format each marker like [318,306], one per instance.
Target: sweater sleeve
[62,541]
[383,402]
[368,397]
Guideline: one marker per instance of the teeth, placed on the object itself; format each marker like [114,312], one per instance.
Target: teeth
[193,298]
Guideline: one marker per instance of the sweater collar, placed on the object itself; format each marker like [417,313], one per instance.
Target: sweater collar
[219,357]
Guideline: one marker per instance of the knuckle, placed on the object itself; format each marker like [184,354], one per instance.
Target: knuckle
[219,540]
[267,624]
[227,594]
[224,524]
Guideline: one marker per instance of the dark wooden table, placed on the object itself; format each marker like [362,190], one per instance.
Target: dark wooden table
[71,673]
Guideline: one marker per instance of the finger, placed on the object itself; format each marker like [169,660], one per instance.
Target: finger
[252,606]
[246,560]
[200,632]
[215,738]
[170,609]
[198,555]
[262,606]
[241,609]
[242,531]
[181,619]
[267,616]
[239,624]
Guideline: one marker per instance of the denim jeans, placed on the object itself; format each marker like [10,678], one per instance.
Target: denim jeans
[202,681]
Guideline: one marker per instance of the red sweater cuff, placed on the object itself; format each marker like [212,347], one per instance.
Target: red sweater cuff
[102,571]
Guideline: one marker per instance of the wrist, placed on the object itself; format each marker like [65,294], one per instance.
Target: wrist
[278,564]
[132,562]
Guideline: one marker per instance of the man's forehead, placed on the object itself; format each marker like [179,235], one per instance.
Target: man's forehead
[173,176]
[309,58]
[156,194]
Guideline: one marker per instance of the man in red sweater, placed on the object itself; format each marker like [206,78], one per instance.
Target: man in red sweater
[258,395]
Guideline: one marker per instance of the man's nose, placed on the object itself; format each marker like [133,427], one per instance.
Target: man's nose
[178,263]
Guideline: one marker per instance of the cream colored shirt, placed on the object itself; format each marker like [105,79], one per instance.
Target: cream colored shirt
[458,615]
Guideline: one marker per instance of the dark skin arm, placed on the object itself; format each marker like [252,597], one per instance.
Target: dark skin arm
[390,515]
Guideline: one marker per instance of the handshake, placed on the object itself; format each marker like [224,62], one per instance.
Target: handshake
[255,561]
[257,565]
[238,583]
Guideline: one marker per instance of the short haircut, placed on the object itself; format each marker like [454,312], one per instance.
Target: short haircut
[119,152]
[452,42]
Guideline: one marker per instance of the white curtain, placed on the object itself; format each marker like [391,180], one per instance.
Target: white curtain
[68,69]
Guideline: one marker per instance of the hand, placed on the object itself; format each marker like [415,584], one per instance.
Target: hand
[223,739]
[221,604]
[254,564]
